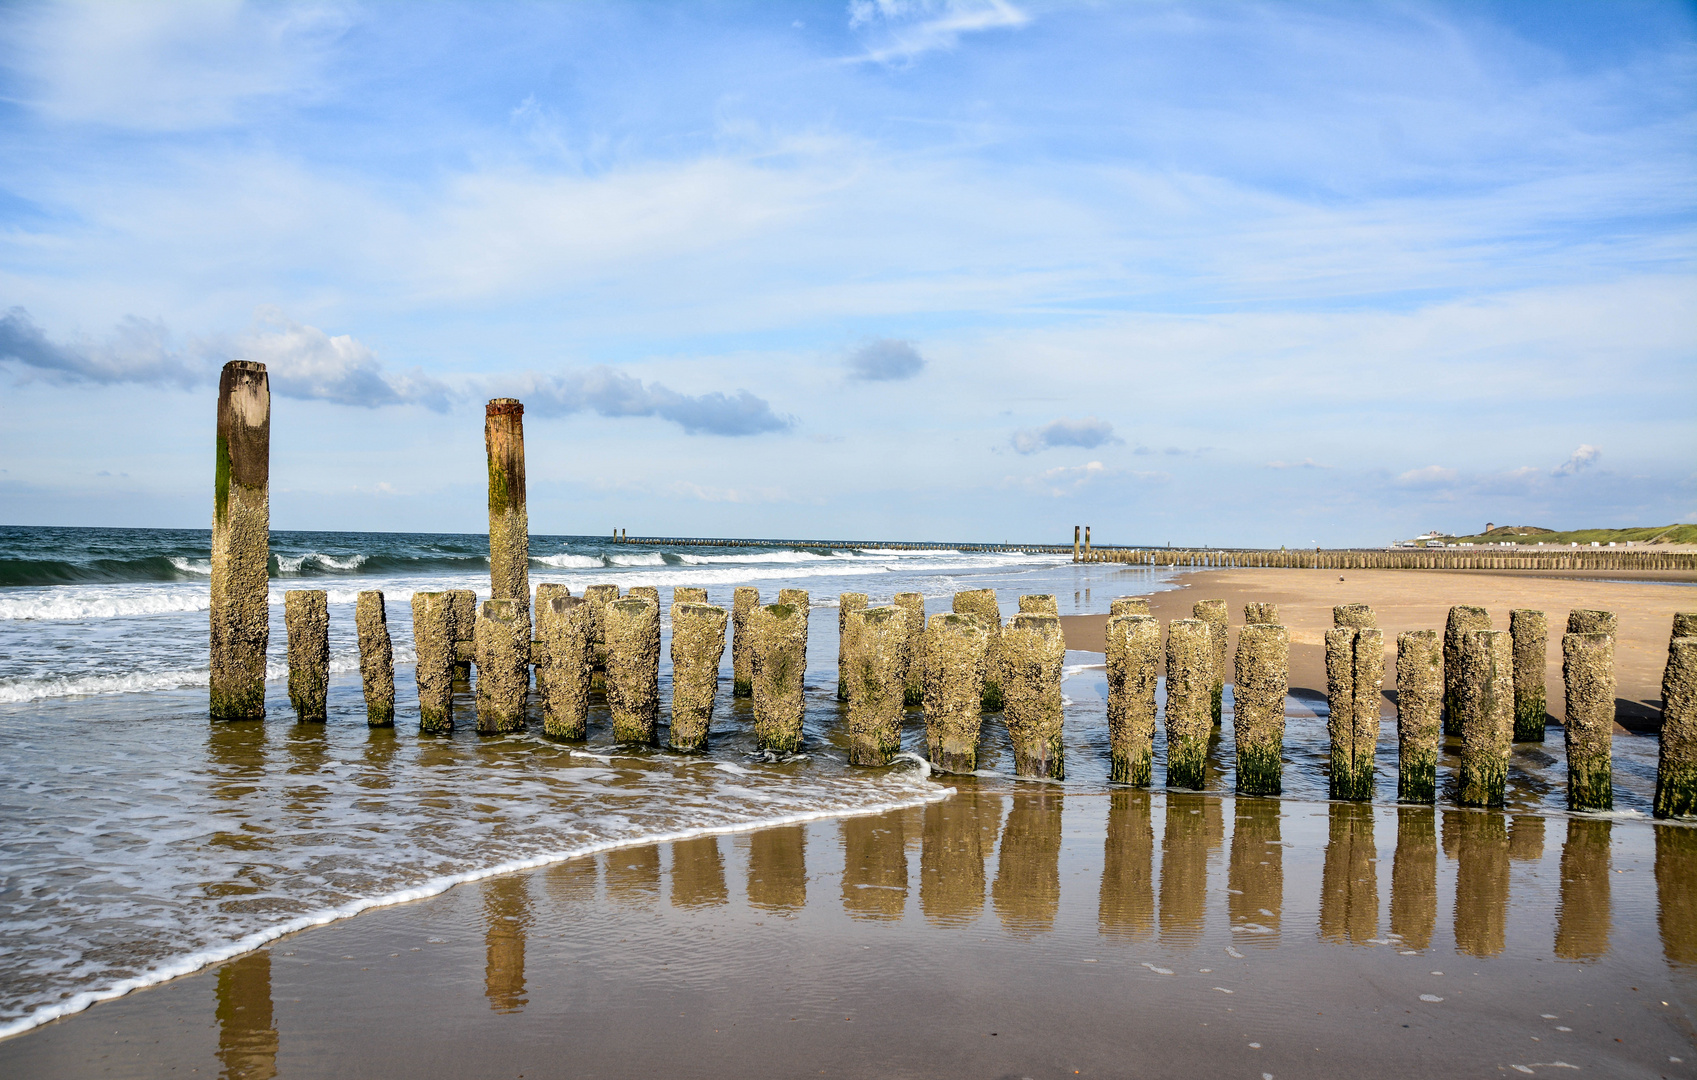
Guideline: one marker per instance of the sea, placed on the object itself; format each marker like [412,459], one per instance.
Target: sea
[140,841]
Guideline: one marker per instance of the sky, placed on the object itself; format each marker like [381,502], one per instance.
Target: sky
[1239,273]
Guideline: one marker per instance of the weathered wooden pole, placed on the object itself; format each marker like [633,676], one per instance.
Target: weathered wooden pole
[1419,709]
[1033,654]
[1529,630]
[876,690]
[1260,613]
[846,603]
[1262,678]
[982,604]
[1134,667]
[1190,666]
[1588,670]
[1128,605]
[1039,604]
[651,593]
[433,642]
[463,619]
[542,610]
[685,594]
[376,659]
[1463,621]
[1213,612]
[955,645]
[744,601]
[1676,763]
[778,668]
[1075,543]
[598,597]
[1355,669]
[306,616]
[503,665]
[913,647]
[698,644]
[565,627]
[633,668]
[1586,621]
[1487,717]
[241,542]
[1087,542]
[1354,617]
[509,523]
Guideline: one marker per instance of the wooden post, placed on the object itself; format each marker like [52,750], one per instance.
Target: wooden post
[982,604]
[1189,690]
[1128,605]
[1033,654]
[503,670]
[633,668]
[598,597]
[1419,708]
[433,642]
[913,648]
[1134,666]
[698,644]
[509,523]
[376,659]
[462,621]
[955,646]
[1213,612]
[241,542]
[744,601]
[846,604]
[1588,670]
[565,627]
[306,615]
[1487,717]
[876,690]
[1462,622]
[1262,679]
[778,661]
[1529,631]
[1676,763]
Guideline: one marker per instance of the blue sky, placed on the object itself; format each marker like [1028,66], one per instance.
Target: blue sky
[976,269]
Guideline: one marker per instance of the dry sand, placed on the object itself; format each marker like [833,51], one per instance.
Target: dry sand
[1420,600]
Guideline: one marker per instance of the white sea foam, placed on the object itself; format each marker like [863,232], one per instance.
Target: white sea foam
[785,557]
[295,564]
[654,559]
[570,562]
[192,566]
[70,602]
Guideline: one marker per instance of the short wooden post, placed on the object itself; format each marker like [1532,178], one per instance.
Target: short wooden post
[1134,668]
[633,668]
[376,659]
[982,604]
[503,665]
[1033,654]
[306,614]
[565,626]
[1039,604]
[462,623]
[744,600]
[1529,631]
[433,642]
[1262,679]
[598,597]
[846,604]
[698,644]
[1487,717]
[1463,621]
[1213,612]
[1260,613]
[913,648]
[1676,763]
[1588,670]
[1419,708]
[1586,621]
[1128,605]
[778,648]
[1354,617]
[875,687]
[955,645]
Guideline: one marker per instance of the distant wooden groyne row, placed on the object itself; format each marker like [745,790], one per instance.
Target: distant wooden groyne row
[1396,559]
[842,545]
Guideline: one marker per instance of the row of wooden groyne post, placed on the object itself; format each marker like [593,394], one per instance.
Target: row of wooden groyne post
[1483,685]
[1522,558]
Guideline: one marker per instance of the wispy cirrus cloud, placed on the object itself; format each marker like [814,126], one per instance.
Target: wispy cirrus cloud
[1305,463]
[1088,433]
[905,29]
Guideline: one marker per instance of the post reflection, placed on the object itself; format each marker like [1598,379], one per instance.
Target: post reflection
[381,744]
[1255,878]
[1479,844]
[777,869]
[1414,876]
[698,873]
[958,835]
[1027,889]
[1126,908]
[1526,838]
[1676,908]
[633,875]
[571,883]
[1349,879]
[247,1034]
[308,747]
[1582,921]
[506,912]
[1195,823]
[874,867]
[235,754]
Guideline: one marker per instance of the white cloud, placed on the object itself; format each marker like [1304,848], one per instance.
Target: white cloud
[904,29]
[1430,476]
[1578,461]
[612,393]
[1088,433]
[305,362]
[885,360]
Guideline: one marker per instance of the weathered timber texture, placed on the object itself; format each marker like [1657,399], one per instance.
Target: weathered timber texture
[1039,604]
[1462,621]
[598,597]
[1487,717]
[796,598]
[913,648]
[1588,670]
[955,646]
[1369,682]
[542,610]
[376,659]
[1134,668]
[1033,654]
[1419,711]
[1214,613]
[685,594]
[462,627]
[1676,764]
[503,665]
[1587,621]
[698,644]
[1684,624]
[241,542]
[1261,680]
[306,615]
[778,654]
[846,603]
[509,522]
[433,642]
[650,593]
[1354,617]
[1340,708]
[565,627]
[1190,678]
[875,686]
[982,603]
[743,601]
[1261,613]
[1530,633]
[1128,605]
[633,668]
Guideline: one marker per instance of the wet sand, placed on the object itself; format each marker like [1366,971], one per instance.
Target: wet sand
[1034,933]
[1420,600]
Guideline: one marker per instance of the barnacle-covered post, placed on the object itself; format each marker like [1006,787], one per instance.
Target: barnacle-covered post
[846,604]
[1676,763]
[633,668]
[433,642]
[875,684]
[1213,612]
[462,618]
[743,601]
[1530,632]
[376,659]
[1033,654]
[1190,683]
[1262,678]
[954,677]
[982,603]
[1260,613]
[503,665]
[1588,670]
[913,648]
[1487,717]
[778,655]
[1128,605]
[306,616]
[241,542]
[1463,620]
[1134,668]
[565,627]
[598,597]
[698,644]
[1419,709]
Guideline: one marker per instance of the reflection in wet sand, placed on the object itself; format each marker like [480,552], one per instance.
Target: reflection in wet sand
[1414,876]
[1255,880]
[698,873]
[958,835]
[571,883]
[777,868]
[1349,880]
[1479,844]
[247,1036]
[1676,912]
[506,911]
[1582,922]
[308,747]
[235,753]
[1126,908]
[1027,889]
[874,867]
[633,875]
[1526,838]
[1193,822]
[380,747]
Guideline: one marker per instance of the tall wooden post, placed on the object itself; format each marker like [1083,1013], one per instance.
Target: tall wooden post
[241,542]
[509,524]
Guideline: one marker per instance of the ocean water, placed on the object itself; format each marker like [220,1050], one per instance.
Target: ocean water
[139,841]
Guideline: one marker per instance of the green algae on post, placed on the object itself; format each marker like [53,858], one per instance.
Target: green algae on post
[433,645]
[913,648]
[698,644]
[503,667]
[875,685]
[954,650]
[462,624]
[1262,678]
[306,616]
[632,626]
[1676,762]
[1340,710]
[1588,671]
[778,661]
[1214,613]
[982,603]
[509,522]
[743,601]
[564,626]
[846,603]
[1033,655]
[1463,620]
[1419,707]
[1529,631]
[376,659]
[1134,666]
[241,543]
[1487,717]
[1190,681]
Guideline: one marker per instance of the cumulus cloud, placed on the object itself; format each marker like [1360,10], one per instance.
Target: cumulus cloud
[611,393]
[138,351]
[305,362]
[903,29]
[1580,460]
[1430,476]
[1088,433]
[885,360]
